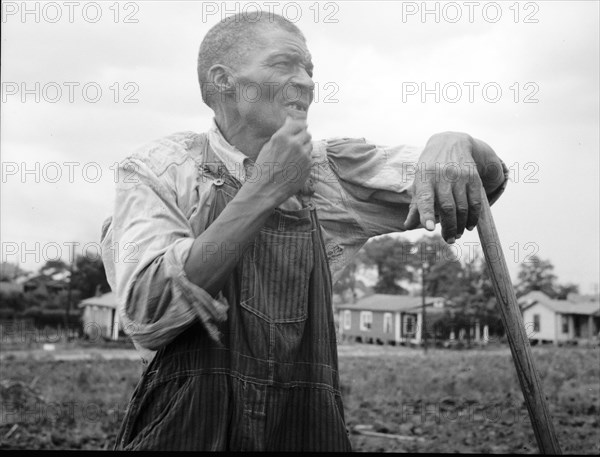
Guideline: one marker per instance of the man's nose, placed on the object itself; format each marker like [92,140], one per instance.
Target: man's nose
[303,81]
[302,78]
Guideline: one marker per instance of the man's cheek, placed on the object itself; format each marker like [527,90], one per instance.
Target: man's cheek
[252,93]
[263,117]
[273,120]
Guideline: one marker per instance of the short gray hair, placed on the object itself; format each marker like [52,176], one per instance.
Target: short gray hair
[229,41]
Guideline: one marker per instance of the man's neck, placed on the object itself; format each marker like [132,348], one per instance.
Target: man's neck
[240,137]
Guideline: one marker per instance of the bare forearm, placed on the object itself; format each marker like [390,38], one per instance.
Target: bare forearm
[217,250]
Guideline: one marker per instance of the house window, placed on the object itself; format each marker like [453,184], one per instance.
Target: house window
[366,319]
[347,319]
[536,322]
[565,323]
[387,323]
[409,324]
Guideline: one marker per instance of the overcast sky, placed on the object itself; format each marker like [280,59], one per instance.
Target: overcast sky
[528,78]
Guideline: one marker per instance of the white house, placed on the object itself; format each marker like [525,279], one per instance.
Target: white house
[100,317]
[397,319]
[560,321]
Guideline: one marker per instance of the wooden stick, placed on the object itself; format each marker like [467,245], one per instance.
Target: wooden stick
[515,332]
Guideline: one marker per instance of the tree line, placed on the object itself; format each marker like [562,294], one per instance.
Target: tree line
[401,266]
[462,280]
[50,295]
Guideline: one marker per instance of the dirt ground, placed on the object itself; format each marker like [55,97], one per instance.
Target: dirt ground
[445,401]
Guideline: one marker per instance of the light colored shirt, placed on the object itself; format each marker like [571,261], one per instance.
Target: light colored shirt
[360,190]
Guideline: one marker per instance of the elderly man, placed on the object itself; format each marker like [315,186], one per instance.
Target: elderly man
[223,246]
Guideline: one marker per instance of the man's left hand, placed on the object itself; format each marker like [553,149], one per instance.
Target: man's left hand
[447,184]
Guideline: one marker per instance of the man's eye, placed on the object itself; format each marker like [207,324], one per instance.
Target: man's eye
[282,64]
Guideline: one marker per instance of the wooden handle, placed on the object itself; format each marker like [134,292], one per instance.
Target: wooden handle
[515,332]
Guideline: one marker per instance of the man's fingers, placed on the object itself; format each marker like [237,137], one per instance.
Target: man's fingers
[412,219]
[305,137]
[307,150]
[462,208]
[425,205]
[292,126]
[474,198]
[447,211]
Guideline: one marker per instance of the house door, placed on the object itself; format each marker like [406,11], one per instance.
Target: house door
[111,335]
[579,322]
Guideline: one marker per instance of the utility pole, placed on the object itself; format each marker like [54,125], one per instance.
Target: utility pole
[423,320]
[72,255]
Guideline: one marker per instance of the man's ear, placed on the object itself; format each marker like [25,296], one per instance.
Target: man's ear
[221,78]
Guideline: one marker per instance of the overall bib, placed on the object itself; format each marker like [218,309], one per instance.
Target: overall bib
[272,383]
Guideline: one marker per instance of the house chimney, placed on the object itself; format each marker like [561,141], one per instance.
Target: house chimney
[98,292]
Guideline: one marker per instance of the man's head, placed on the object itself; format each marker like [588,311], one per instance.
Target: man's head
[256,71]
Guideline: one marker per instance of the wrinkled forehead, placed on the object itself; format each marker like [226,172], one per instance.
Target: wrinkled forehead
[275,41]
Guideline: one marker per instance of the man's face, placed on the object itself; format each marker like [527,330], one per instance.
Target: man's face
[274,82]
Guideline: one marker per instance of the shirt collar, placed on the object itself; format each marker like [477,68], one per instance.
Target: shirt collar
[233,159]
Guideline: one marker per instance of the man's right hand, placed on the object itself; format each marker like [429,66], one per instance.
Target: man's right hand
[280,170]
[283,164]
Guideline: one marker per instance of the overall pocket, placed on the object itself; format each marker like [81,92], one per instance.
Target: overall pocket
[276,276]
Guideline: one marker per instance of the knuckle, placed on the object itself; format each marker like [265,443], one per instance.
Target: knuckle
[424,194]
[452,174]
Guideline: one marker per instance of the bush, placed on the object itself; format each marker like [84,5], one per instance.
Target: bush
[7,314]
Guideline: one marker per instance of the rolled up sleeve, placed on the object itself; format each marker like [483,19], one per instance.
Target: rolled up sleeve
[376,181]
[151,239]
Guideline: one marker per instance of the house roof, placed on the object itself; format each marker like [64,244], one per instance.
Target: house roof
[559,306]
[44,279]
[108,300]
[385,302]
[583,297]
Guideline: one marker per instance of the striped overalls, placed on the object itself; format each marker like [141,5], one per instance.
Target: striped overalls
[272,383]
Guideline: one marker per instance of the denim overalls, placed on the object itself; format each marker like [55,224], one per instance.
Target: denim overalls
[272,383]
